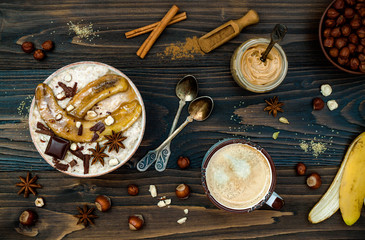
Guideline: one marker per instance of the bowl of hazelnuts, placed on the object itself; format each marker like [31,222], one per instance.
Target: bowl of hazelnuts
[342,35]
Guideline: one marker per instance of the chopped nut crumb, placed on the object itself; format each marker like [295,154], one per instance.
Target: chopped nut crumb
[182,220]
[67,77]
[70,108]
[167,201]
[91,114]
[39,202]
[161,203]
[186,211]
[73,146]
[326,90]
[58,116]
[153,190]
[109,120]
[78,124]
[332,105]
[113,162]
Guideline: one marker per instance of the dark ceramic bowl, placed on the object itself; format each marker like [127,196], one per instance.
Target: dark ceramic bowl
[321,38]
[222,144]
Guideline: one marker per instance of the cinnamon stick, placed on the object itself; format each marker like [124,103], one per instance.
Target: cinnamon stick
[147,44]
[142,30]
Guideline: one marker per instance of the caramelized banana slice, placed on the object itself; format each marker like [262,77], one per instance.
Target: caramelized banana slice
[65,126]
[96,91]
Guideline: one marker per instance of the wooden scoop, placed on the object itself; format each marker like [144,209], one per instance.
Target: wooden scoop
[227,31]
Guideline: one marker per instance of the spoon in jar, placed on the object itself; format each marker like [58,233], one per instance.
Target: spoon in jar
[277,35]
[199,110]
[186,90]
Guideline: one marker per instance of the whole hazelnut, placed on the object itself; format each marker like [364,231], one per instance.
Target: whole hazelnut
[28,47]
[351,2]
[362,12]
[327,32]
[332,13]
[39,55]
[183,162]
[342,61]
[353,38]
[339,4]
[359,6]
[362,41]
[103,203]
[47,45]
[300,168]
[314,181]
[346,30]
[317,103]
[330,23]
[354,63]
[135,222]
[361,33]
[363,22]
[345,52]
[340,20]
[349,13]
[133,189]
[351,47]
[28,218]
[182,191]
[336,32]
[333,52]
[328,42]
[361,57]
[340,42]
[355,23]
[362,67]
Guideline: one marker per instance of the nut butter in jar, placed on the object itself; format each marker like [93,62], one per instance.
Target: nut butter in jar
[254,75]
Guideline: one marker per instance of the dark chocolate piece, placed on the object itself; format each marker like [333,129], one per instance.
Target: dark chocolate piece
[98,127]
[43,129]
[57,147]
[69,91]
[95,137]
[61,166]
[78,153]
[84,157]
[73,163]
[80,130]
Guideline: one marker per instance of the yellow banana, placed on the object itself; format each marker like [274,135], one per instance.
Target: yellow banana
[96,91]
[66,128]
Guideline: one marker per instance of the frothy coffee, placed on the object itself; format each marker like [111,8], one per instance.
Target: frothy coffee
[238,176]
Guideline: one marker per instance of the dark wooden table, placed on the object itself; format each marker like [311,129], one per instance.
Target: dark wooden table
[237,113]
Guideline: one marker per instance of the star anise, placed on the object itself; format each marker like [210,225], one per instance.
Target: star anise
[28,185]
[274,106]
[98,154]
[85,215]
[115,141]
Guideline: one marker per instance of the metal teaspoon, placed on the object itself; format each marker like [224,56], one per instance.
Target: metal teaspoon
[277,35]
[199,110]
[186,90]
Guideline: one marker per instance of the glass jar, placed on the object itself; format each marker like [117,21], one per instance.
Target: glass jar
[239,76]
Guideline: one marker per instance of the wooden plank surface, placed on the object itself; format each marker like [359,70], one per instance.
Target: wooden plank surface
[237,113]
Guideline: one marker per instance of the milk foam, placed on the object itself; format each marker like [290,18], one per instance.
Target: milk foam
[238,176]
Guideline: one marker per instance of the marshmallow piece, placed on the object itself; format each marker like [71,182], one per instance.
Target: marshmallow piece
[109,120]
[91,114]
[67,77]
[73,146]
[182,220]
[61,95]
[326,90]
[332,105]
[113,162]
[78,124]
[153,190]
[59,116]
[70,108]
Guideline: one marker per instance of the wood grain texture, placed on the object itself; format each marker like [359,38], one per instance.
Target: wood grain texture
[63,194]
[237,113]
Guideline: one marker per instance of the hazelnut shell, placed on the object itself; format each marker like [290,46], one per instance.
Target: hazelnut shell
[103,203]
[301,169]
[28,47]
[183,162]
[133,189]
[314,181]
[135,222]
[182,191]
[28,218]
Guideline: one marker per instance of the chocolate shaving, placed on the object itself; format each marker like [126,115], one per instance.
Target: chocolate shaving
[98,127]
[80,130]
[62,167]
[43,129]
[69,91]
[78,153]
[95,137]
[86,164]
[73,163]
[55,160]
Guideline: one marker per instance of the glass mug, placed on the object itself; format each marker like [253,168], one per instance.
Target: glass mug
[263,167]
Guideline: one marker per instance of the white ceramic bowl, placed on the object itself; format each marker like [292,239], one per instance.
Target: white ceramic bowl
[127,156]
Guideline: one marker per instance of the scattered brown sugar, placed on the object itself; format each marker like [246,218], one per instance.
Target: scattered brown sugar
[316,148]
[83,31]
[182,50]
